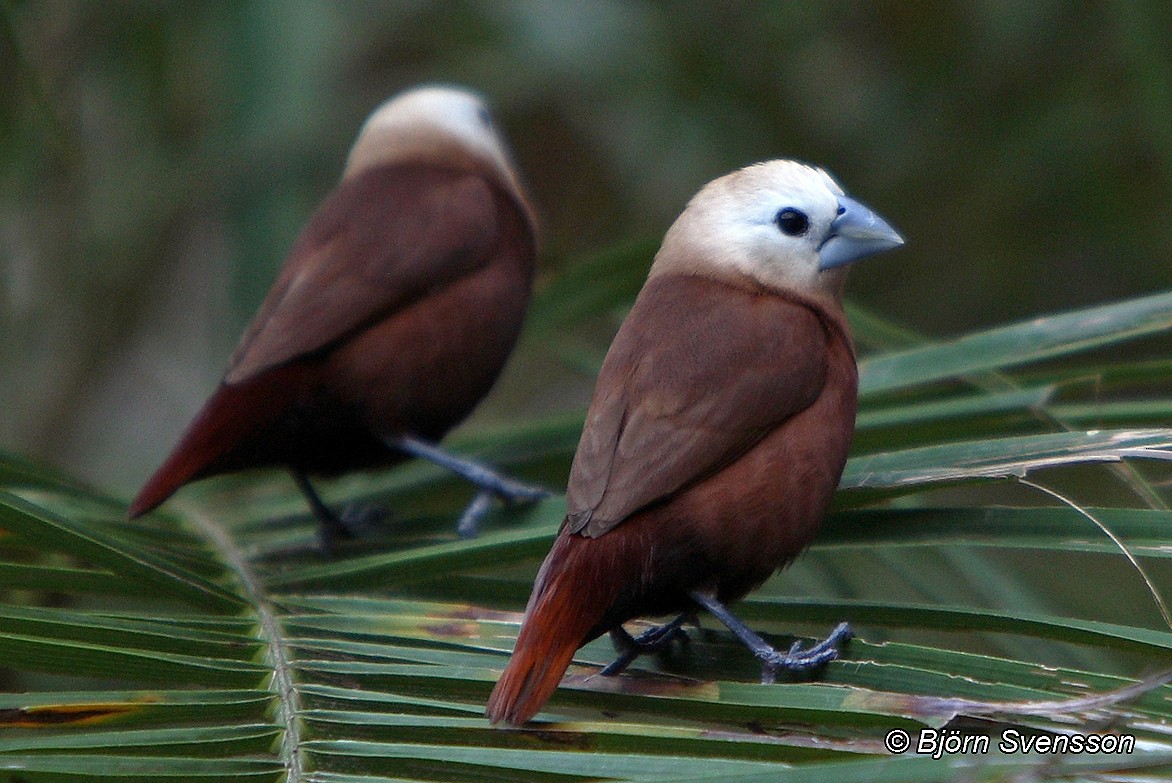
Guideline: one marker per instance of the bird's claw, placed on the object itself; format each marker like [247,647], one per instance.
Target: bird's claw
[655,639]
[797,660]
[650,641]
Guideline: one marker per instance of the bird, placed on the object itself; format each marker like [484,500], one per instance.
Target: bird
[717,432]
[390,319]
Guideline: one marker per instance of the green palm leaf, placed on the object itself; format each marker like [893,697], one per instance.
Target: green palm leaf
[212,641]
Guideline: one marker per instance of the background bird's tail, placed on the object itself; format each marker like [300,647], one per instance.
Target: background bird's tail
[171,475]
[204,440]
[563,614]
[226,421]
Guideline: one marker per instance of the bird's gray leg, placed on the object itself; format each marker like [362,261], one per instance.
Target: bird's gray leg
[772,661]
[490,483]
[652,640]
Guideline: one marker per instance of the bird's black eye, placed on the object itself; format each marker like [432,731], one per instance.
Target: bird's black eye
[484,117]
[792,222]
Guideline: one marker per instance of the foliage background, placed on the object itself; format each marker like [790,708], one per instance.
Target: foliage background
[156,160]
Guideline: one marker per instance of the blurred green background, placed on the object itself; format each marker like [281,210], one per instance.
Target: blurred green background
[157,159]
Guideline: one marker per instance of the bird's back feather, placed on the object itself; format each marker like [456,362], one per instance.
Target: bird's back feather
[700,371]
[382,240]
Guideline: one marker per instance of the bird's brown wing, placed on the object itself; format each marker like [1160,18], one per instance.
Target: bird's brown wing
[379,242]
[698,373]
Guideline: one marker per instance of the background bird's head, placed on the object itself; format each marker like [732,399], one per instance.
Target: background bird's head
[781,223]
[435,122]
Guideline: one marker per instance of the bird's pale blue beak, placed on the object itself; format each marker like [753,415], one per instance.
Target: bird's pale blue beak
[856,233]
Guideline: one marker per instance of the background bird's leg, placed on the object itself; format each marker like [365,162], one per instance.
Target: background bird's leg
[650,641]
[772,661]
[330,526]
[490,483]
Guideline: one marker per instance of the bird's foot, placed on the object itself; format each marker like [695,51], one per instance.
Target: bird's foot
[491,483]
[650,641]
[799,660]
[796,660]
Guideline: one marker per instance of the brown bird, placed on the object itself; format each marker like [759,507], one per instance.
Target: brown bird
[390,319]
[718,430]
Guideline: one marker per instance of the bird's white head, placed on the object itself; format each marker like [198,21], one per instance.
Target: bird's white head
[430,121]
[781,223]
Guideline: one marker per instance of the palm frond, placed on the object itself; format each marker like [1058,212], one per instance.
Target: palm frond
[213,641]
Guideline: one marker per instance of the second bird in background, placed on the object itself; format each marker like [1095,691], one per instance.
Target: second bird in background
[718,431]
[390,320]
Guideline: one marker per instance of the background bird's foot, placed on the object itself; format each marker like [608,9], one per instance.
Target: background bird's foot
[799,660]
[650,641]
[330,529]
[469,524]
[491,483]
[357,520]
[363,520]
[515,493]
[510,491]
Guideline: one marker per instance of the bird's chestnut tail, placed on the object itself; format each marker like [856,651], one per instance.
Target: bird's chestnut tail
[561,617]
